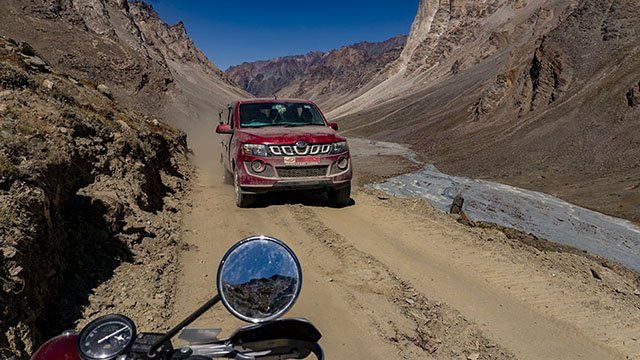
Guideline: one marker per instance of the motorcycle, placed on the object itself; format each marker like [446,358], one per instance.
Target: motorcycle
[258,281]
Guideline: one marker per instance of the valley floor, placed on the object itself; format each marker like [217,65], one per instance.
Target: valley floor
[389,278]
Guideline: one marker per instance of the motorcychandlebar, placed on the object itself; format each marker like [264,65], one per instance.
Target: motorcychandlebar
[259,280]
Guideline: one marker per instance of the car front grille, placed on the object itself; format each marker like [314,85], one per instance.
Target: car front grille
[293,150]
[298,172]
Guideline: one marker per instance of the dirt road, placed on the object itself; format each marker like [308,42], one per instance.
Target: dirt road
[395,279]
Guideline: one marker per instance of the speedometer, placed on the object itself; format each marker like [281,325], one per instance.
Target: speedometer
[106,337]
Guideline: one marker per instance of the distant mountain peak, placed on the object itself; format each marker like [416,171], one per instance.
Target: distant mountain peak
[316,74]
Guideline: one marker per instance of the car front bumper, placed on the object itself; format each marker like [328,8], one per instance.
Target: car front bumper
[281,175]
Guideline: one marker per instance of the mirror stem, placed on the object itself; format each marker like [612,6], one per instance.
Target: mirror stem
[184,323]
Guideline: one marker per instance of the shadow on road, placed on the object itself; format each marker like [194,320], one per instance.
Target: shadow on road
[297,198]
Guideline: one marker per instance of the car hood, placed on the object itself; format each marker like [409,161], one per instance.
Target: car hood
[288,135]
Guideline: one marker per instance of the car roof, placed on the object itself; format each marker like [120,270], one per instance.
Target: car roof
[262,100]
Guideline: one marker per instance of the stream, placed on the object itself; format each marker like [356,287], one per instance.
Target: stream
[540,214]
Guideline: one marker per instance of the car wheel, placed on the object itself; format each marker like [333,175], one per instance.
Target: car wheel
[227,177]
[242,200]
[340,197]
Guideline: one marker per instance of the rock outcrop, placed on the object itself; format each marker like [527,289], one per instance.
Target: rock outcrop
[442,26]
[172,42]
[83,182]
[94,40]
[546,79]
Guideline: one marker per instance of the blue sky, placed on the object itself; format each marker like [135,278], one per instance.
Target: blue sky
[231,32]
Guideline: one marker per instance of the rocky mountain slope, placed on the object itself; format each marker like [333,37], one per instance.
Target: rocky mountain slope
[91,178]
[84,186]
[329,78]
[538,94]
[146,63]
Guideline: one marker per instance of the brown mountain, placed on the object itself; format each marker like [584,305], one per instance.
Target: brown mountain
[329,78]
[539,94]
[146,63]
[267,77]
[86,170]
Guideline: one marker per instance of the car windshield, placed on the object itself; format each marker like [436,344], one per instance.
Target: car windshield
[276,113]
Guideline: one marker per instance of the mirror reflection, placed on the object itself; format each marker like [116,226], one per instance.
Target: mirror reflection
[259,279]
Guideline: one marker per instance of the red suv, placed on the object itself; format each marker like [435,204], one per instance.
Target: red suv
[278,145]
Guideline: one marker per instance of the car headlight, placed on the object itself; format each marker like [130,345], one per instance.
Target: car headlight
[343,163]
[339,147]
[255,150]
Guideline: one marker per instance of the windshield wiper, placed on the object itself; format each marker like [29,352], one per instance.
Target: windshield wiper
[284,125]
[262,125]
[302,124]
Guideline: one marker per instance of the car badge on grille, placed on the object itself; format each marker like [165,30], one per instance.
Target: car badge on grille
[301,144]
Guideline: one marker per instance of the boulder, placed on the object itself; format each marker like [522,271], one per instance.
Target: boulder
[36,62]
[105,90]
[26,49]
[458,213]
[47,84]
[456,206]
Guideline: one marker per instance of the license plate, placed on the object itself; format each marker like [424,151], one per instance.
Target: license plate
[301,160]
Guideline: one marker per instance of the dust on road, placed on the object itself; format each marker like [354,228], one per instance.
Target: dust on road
[390,278]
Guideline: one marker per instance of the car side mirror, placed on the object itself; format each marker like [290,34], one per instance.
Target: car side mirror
[333,125]
[224,129]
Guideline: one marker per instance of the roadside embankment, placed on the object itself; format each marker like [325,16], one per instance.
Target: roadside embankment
[85,186]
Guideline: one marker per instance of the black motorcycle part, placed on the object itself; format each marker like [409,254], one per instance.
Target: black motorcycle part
[184,323]
[101,330]
[141,347]
[291,329]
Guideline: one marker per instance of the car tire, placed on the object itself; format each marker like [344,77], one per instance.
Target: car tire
[242,200]
[227,177]
[340,197]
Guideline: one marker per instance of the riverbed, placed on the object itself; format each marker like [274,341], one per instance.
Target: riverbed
[540,214]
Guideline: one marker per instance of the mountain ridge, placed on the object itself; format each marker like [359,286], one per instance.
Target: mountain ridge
[531,93]
[125,45]
[319,76]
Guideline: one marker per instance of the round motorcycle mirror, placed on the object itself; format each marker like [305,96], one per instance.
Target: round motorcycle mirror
[259,279]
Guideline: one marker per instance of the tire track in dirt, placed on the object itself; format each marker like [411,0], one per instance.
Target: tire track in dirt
[490,284]
[388,279]
[214,224]
[568,294]
[602,318]
[424,326]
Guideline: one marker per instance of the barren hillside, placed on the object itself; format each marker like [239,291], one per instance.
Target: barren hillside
[146,63]
[82,182]
[539,94]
